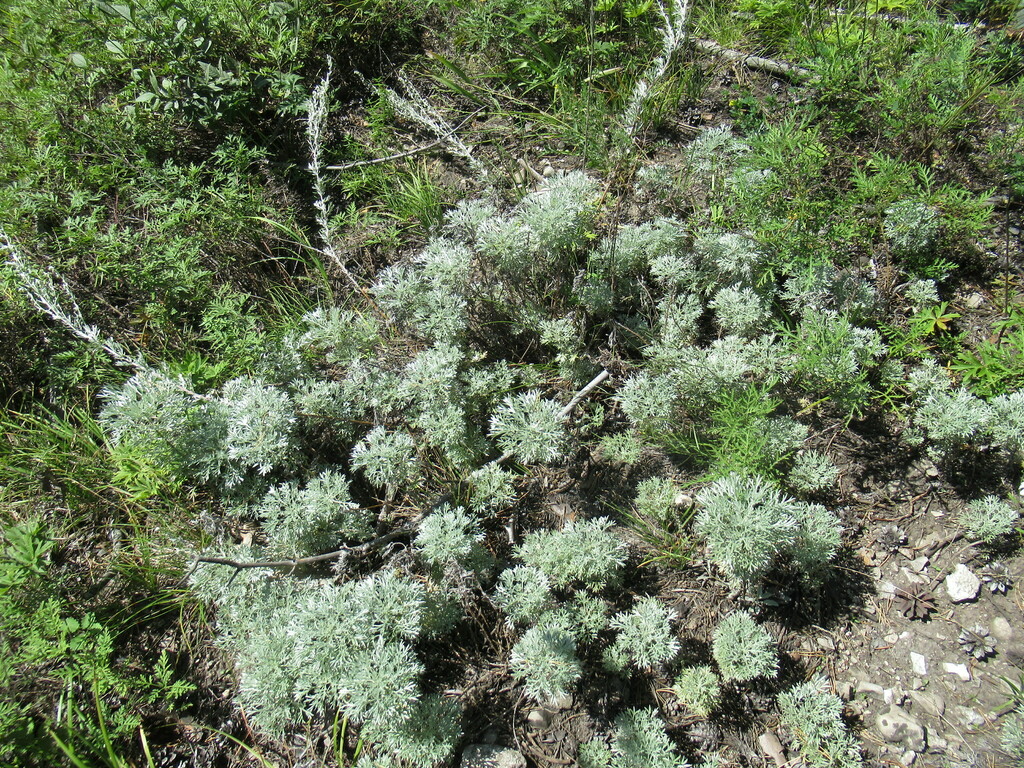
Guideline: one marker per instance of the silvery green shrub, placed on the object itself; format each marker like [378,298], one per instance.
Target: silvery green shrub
[338,335]
[952,419]
[988,518]
[452,536]
[649,401]
[740,310]
[736,257]
[557,215]
[820,286]
[429,295]
[490,487]
[427,737]
[678,316]
[730,362]
[388,459]
[912,227]
[565,335]
[586,552]
[747,523]
[529,427]
[1011,736]
[814,716]
[545,659]
[634,246]
[656,500]
[644,638]
[313,518]
[152,412]
[699,689]
[812,471]
[260,428]
[832,357]
[744,650]
[921,293]
[594,754]
[640,741]
[1007,427]
[523,593]
[818,537]
[311,647]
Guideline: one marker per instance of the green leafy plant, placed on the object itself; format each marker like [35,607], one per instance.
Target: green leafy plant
[815,717]
[545,657]
[743,649]
[698,689]
[988,519]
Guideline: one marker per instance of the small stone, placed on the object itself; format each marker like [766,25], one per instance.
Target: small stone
[962,585]
[919,664]
[844,690]
[917,684]
[560,702]
[908,758]
[539,719]
[548,171]
[1001,629]
[891,638]
[773,748]
[864,686]
[960,670]
[887,696]
[484,756]
[971,717]
[918,565]
[897,727]
[930,703]
[974,301]
[826,643]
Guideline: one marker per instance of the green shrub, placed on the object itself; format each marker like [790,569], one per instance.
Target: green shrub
[743,649]
[988,519]
[640,741]
[545,658]
[645,636]
[815,718]
[529,427]
[698,689]
[586,552]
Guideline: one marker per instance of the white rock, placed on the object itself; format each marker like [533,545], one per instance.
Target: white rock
[773,748]
[962,585]
[1001,629]
[484,756]
[918,565]
[897,727]
[539,719]
[919,664]
[960,670]
[908,758]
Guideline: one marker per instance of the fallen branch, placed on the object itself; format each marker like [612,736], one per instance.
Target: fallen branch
[780,68]
[388,159]
[294,563]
